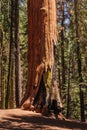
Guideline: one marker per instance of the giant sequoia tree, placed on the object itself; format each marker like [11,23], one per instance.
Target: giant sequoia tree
[41,86]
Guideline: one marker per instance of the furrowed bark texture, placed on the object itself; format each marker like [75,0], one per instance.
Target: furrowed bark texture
[42,36]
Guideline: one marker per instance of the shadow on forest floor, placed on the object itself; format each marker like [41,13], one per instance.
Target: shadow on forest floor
[37,122]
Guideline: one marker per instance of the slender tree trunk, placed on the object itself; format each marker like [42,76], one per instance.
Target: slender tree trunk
[63,89]
[59,74]
[41,38]
[2,86]
[62,58]
[79,60]
[12,84]
[7,98]
[2,77]
[0,54]
[0,58]
[68,92]
[0,71]
[17,56]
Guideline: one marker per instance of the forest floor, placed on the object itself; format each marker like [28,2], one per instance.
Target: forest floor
[17,119]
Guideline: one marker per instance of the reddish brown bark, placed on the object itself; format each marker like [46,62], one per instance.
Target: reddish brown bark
[41,37]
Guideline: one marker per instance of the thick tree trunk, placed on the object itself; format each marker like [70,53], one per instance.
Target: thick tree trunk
[42,36]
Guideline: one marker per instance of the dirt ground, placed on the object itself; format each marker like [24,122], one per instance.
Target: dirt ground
[16,119]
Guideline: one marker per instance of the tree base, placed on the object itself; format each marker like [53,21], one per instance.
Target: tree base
[53,112]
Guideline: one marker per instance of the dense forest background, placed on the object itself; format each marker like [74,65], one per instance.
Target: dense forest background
[70,55]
